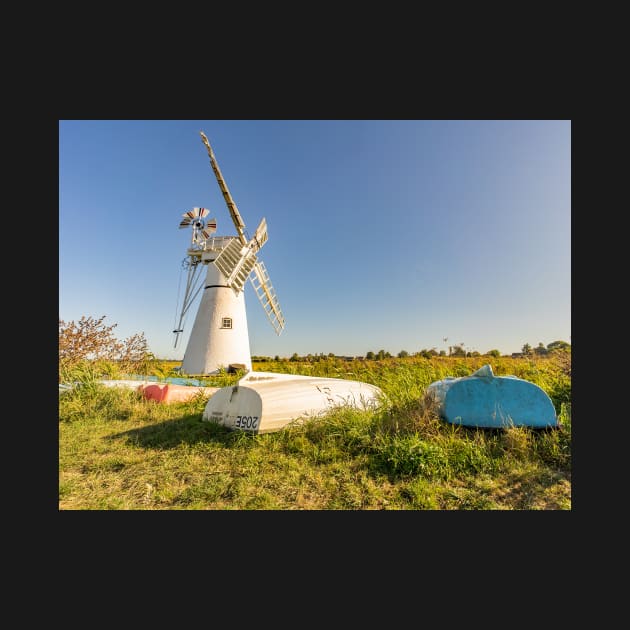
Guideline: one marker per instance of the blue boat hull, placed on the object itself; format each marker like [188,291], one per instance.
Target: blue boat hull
[485,400]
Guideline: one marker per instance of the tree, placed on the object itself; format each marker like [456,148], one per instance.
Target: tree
[402,354]
[540,350]
[427,354]
[370,355]
[134,349]
[89,339]
[493,353]
[526,349]
[558,345]
[294,357]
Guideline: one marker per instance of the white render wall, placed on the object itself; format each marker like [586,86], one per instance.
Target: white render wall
[210,346]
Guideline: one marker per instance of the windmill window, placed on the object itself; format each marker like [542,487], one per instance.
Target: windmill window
[226,322]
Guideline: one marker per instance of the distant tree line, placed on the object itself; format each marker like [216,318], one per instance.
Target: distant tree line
[457,350]
[92,339]
[542,350]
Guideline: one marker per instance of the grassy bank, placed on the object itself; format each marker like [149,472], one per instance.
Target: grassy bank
[119,451]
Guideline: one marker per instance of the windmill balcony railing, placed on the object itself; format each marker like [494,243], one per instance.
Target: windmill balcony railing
[215,243]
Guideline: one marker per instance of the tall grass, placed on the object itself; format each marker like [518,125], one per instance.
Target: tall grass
[406,379]
[119,451]
[87,373]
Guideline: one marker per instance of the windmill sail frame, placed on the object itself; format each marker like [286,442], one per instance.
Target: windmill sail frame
[267,296]
[238,261]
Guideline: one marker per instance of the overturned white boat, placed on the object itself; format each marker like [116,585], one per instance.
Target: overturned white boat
[264,401]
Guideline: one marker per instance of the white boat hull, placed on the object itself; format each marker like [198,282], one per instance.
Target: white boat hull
[263,401]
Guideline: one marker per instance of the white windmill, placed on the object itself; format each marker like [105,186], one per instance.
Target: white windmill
[219,335]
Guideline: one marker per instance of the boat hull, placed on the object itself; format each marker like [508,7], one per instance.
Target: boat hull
[262,402]
[485,400]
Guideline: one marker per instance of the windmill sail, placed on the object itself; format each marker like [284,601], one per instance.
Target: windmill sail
[267,296]
[234,213]
[238,261]
[260,235]
[235,264]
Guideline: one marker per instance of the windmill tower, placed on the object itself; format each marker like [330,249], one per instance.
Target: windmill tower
[219,336]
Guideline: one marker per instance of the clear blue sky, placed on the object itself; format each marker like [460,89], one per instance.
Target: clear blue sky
[383,234]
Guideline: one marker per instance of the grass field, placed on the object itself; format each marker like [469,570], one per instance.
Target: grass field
[118,451]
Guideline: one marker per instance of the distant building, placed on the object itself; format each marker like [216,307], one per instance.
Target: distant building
[517,355]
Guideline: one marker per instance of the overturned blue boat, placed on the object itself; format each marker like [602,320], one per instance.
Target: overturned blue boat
[485,400]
